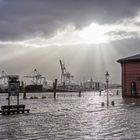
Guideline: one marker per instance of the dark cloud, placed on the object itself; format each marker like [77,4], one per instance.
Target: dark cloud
[21,19]
[123,34]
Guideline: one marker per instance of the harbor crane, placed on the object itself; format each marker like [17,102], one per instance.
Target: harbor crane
[36,77]
[4,79]
[66,77]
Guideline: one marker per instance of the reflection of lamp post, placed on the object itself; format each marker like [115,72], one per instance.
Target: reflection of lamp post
[107,80]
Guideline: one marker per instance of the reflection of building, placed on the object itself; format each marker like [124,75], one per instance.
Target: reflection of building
[130,68]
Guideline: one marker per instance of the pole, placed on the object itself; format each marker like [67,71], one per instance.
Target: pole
[24,94]
[107,93]
[8,94]
[79,95]
[17,90]
[18,102]
[54,88]
[8,98]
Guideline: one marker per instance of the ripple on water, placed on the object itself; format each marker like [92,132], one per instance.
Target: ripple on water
[73,118]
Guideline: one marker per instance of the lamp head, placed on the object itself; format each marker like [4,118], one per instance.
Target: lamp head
[107,76]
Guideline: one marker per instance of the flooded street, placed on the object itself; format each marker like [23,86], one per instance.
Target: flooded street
[70,117]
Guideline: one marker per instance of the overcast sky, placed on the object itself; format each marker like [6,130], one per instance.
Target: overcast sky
[89,35]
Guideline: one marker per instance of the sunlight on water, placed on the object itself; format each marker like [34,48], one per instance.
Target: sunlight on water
[71,117]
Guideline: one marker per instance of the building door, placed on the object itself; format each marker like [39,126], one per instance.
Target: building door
[133,88]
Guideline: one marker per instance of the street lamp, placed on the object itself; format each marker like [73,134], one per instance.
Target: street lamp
[107,80]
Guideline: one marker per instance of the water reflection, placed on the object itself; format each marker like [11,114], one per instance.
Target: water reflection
[71,117]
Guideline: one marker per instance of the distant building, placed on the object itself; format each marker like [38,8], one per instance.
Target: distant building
[91,85]
[130,71]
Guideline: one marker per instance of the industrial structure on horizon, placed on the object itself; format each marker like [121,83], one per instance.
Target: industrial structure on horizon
[39,83]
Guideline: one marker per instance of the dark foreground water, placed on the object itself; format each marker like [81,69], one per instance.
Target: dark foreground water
[73,118]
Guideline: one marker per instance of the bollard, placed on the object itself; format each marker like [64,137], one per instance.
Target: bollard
[102,104]
[79,95]
[100,93]
[54,88]
[117,92]
[112,103]
[24,95]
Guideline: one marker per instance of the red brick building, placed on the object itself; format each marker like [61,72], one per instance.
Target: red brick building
[130,70]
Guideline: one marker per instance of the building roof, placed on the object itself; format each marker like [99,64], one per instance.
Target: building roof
[133,58]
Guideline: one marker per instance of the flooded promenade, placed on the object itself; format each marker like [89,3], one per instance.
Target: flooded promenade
[72,118]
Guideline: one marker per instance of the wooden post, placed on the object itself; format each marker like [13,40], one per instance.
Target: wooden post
[8,101]
[24,94]
[117,92]
[18,102]
[100,93]
[8,98]
[17,92]
[54,88]
[79,95]
[22,86]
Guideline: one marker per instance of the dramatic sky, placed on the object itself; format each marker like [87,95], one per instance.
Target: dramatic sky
[89,35]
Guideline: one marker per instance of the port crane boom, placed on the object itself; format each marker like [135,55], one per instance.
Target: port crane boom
[66,77]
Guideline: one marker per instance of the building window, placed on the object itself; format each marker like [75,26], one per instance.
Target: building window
[133,88]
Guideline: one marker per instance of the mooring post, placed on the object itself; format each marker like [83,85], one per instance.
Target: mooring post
[117,92]
[79,95]
[18,102]
[24,94]
[22,86]
[54,88]
[8,100]
[100,93]
[112,103]
[102,104]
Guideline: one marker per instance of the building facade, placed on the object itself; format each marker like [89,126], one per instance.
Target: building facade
[130,71]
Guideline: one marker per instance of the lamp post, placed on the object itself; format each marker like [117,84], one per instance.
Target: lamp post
[107,80]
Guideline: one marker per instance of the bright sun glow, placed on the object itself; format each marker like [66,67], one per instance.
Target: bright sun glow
[92,34]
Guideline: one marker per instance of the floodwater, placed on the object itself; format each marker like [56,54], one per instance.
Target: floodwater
[70,117]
